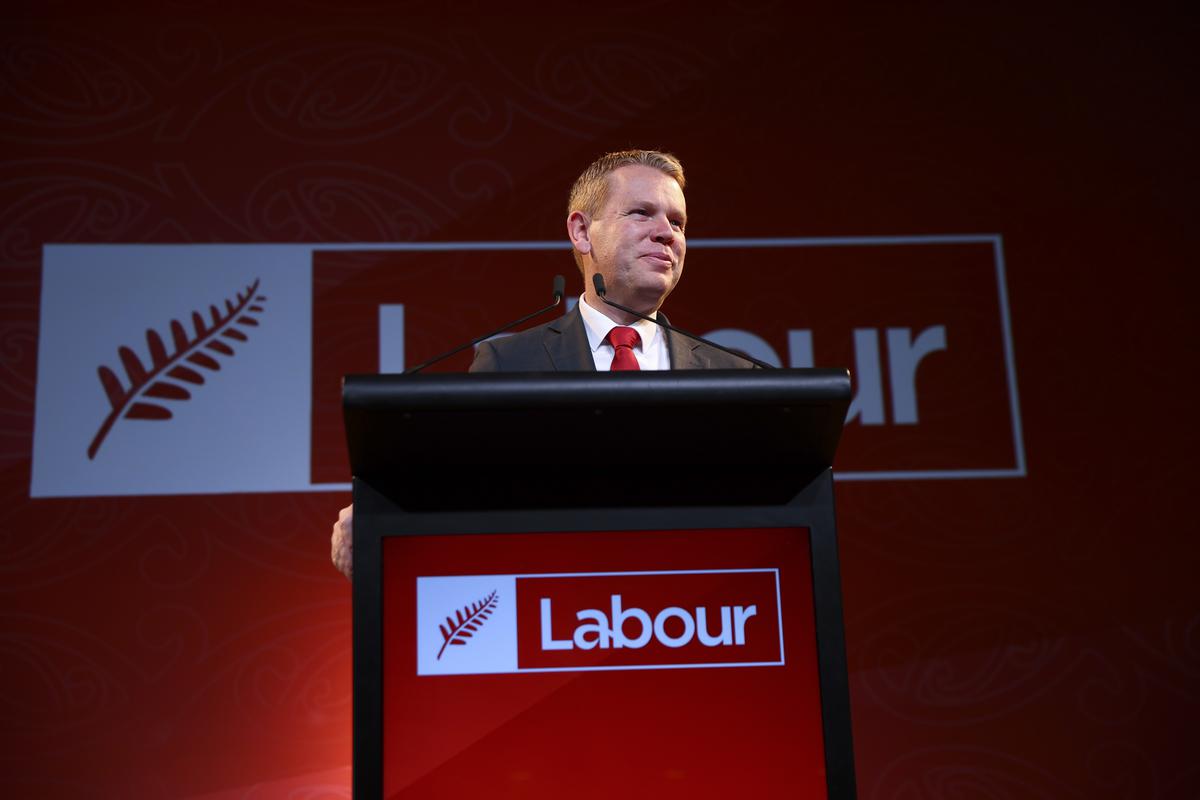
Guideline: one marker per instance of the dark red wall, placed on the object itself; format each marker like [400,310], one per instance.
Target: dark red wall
[1027,637]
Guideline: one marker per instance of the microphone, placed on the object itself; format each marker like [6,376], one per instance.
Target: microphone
[560,287]
[598,282]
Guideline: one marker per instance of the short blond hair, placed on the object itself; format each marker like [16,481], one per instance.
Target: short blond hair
[590,192]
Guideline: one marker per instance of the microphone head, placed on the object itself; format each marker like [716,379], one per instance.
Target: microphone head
[598,282]
[560,287]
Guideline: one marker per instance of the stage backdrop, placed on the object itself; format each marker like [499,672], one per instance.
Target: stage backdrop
[207,217]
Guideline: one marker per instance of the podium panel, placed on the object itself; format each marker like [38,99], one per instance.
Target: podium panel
[729,677]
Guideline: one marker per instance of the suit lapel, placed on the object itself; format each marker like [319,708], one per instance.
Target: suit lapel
[681,349]
[566,344]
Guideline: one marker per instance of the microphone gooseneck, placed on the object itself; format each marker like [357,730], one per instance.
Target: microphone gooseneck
[602,291]
[560,287]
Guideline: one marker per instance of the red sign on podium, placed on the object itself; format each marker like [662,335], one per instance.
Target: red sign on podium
[616,664]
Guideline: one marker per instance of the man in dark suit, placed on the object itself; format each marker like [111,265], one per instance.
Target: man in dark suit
[626,218]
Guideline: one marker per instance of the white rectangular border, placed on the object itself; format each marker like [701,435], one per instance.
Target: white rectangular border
[625,667]
[994,239]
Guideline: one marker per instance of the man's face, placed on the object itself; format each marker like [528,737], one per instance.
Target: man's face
[637,240]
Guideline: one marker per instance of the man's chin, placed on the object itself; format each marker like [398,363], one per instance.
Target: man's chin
[651,296]
[645,294]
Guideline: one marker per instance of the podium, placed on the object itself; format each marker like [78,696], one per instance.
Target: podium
[598,584]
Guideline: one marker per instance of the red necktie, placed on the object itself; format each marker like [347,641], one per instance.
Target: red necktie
[623,341]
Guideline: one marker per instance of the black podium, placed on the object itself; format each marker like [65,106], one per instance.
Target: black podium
[705,496]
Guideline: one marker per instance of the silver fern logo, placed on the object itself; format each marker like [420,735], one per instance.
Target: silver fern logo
[465,622]
[143,394]
[165,369]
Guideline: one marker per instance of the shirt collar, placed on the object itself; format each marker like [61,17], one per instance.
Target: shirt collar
[597,326]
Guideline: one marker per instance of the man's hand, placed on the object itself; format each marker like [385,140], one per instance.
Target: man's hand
[342,541]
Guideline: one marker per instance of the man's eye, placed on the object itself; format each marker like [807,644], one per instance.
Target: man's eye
[677,223]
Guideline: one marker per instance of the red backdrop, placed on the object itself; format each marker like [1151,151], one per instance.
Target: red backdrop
[1022,637]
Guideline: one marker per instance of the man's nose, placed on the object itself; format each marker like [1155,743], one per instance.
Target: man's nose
[664,232]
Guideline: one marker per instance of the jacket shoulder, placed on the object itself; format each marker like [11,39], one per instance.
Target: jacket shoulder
[545,347]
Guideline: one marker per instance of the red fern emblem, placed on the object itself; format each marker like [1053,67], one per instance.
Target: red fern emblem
[466,621]
[138,401]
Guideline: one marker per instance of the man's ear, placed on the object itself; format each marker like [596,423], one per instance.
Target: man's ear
[578,231]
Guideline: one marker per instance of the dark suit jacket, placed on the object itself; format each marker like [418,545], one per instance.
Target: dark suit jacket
[562,346]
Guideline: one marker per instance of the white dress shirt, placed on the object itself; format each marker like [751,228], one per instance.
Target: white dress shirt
[652,354]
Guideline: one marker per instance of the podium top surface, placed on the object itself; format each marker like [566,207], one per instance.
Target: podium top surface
[505,440]
[649,388]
